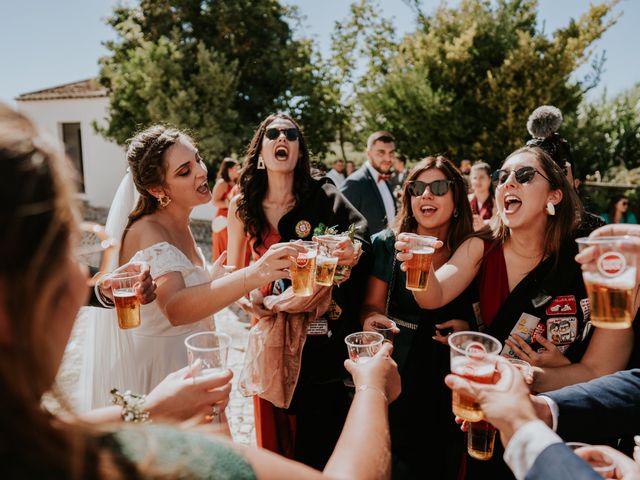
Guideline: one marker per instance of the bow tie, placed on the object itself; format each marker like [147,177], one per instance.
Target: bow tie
[383,177]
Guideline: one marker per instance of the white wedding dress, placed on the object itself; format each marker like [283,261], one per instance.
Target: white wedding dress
[146,354]
[140,358]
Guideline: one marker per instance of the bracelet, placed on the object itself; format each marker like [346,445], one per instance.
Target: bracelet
[132,406]
[104,300]
[362,388]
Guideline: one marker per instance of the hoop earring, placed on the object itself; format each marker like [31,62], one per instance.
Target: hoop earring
[455,213]
[163,201]
[261,165]
[551,209]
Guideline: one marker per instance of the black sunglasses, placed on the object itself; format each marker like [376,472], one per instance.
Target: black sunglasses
[437,187]
[291,134]
[523,175]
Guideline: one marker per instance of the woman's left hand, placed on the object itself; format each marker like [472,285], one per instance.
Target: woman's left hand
[454,325]
[550,357]
[346,253]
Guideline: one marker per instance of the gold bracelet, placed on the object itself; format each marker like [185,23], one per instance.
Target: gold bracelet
[362,388]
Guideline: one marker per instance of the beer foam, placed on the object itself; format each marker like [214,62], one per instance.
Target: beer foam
[124,292]
[467,367]
[422,250]
[627,279]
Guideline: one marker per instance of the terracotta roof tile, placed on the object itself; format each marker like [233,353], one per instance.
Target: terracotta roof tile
[89,88]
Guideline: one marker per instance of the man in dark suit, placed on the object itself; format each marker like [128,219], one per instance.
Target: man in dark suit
[368,187]
[606,406]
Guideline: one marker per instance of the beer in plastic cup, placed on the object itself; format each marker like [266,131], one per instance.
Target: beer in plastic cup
[473,356]
[124,297]
[303,269]
[385,329]
[610,281]
[481,438]
[418,267]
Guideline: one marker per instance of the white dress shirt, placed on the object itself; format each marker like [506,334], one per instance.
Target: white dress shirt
[526,445]
[387,198]
[337,178]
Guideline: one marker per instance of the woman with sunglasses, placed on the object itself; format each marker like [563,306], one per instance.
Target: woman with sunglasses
[280,201]
[618,211]
[434,203]
[529,284]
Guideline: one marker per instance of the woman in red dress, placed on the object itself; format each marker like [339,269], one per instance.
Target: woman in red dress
[221,195]
[280,201]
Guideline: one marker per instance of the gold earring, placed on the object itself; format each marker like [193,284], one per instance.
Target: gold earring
[163,201]
[261,165]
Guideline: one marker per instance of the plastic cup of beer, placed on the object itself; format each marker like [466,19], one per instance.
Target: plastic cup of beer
[602,463]
[326,262]
[385,329]
[418,267]
[481,438]
[303,269]
[362,346]
[124,296]
[522,366]
[610,280]
[473,356]
[207,353]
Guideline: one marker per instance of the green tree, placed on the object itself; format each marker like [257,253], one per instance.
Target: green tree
[606,136]
[465,82]
[214,67]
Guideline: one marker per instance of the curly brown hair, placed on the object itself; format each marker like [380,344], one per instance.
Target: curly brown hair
[253,181]
[461,222]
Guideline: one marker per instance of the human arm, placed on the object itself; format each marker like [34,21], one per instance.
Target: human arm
[219,194]
[373,309]
[176,398]
[363,450]
[608,352]
[613,399]
[451,279]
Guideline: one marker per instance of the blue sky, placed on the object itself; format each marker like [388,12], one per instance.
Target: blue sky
[51,42]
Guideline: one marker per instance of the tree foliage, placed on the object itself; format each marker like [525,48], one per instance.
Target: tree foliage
[466,80]
[216,68]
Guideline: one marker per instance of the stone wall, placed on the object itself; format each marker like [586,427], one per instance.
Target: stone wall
[201,228]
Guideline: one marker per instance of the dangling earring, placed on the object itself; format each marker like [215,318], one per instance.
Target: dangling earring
[260,163]
[163,201]
[455,213]
[551,209]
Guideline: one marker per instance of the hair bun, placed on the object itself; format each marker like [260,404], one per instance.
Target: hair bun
[544,121]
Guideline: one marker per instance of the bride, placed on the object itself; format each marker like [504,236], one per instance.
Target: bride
[170,179]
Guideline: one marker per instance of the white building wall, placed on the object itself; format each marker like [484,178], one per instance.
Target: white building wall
[104,161]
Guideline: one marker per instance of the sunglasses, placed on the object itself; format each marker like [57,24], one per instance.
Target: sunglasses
[291,134]
[523,175]
[437,187]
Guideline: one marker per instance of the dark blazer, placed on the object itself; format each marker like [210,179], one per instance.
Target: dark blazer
[605,407]
[558,461]
[361,190]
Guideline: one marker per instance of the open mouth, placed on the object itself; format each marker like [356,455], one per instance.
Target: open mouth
[511,204]
[428,209]
[282,153]
[203,188]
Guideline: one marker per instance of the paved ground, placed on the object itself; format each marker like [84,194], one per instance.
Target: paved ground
[229,320]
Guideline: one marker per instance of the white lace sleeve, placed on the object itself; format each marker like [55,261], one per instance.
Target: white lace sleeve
[164,258]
